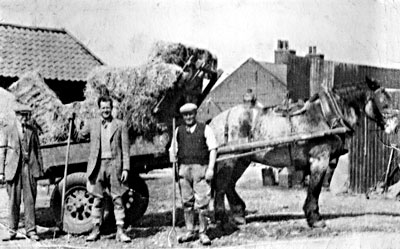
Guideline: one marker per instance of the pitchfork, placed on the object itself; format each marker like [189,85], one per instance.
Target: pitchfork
[172,238]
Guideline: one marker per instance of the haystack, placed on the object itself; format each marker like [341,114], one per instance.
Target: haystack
[7,104]
[48,111]
[136,91]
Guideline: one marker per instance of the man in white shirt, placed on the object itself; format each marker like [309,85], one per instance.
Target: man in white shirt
[196,152]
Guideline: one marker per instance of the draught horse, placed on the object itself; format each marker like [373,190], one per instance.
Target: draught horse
[329,109]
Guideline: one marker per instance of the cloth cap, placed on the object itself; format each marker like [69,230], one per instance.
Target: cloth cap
[188,107]
[21,109]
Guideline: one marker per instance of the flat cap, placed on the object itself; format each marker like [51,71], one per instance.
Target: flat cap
[188,107]
[20,108]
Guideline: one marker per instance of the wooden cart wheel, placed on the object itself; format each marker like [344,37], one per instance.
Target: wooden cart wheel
[78,204]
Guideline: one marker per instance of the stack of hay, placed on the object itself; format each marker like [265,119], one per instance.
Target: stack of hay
[48,111]
[7,103]
[135,91]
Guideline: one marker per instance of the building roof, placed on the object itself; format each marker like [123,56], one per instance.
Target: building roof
[54,53]
[277,70]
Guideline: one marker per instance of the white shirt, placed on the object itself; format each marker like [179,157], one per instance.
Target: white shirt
[211,141]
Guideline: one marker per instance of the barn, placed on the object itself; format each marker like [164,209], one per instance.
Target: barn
[62,60]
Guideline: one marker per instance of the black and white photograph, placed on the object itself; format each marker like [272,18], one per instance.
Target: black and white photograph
[199,124]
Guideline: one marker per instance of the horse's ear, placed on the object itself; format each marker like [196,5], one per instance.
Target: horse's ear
[372,83]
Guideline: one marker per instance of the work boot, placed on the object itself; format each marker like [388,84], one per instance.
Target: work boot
[95,234]
[121,235]
[203,224]
[189,221]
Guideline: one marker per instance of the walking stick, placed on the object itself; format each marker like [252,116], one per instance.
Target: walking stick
[172,232]
[71,120]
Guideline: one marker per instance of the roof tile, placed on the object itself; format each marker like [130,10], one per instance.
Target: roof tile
[52,52]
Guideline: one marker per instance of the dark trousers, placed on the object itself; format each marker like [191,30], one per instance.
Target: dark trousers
[25,182]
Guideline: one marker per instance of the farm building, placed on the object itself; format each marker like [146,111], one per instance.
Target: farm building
[55,54]
[288,76]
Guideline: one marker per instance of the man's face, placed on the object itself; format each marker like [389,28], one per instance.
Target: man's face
[105,109]
[189,118]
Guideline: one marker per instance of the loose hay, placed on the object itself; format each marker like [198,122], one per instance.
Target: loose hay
[135,92]
[47,109]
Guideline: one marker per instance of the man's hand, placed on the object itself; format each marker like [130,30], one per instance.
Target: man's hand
[209,174]
[124,176]
[2,179]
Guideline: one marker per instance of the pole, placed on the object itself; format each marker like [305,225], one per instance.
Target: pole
[66,169]
[172,232]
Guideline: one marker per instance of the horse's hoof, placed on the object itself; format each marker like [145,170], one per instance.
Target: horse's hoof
[319,224]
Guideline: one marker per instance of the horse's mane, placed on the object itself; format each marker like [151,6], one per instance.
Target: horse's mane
[351,93]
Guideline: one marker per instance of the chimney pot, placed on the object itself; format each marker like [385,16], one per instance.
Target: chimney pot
[310,49]
[314,50]
[279,44]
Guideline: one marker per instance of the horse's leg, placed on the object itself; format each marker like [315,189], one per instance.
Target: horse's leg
[222,178]
[318,167]
[236,203]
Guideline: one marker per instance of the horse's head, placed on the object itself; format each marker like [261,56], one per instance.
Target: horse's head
[379,107]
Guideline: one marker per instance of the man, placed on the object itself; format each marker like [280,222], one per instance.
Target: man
[250,100]
[20,166]
[196,150]
[108,166]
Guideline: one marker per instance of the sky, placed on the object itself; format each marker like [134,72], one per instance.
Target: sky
[121,32]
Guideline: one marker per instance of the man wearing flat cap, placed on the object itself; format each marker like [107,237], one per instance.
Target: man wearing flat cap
[20,166]
[196,149]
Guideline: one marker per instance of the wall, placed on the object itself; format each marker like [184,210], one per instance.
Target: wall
[368,155]
[269,89]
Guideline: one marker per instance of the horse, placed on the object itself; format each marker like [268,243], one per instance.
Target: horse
[329,109]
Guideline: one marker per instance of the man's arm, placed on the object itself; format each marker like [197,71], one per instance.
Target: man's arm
[38,153]
[173,149]
[125,148]
[125,145]
[212,147]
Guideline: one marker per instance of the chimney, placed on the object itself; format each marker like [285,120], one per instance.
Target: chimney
[312,53]
[282,53]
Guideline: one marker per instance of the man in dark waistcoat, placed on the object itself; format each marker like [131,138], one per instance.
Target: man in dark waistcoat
[196,149]
[20,166]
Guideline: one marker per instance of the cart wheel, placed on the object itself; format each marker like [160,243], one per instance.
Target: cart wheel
[135,200]
[78,204]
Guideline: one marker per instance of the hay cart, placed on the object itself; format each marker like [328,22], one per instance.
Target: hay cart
[145,155]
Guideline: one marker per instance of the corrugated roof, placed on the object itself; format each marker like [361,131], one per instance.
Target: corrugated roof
[54,53]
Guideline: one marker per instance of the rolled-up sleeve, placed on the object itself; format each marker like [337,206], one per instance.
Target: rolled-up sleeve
[174,143]
[210,138]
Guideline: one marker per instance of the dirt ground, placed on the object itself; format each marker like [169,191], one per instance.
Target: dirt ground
[274,214]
